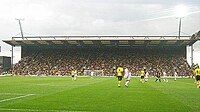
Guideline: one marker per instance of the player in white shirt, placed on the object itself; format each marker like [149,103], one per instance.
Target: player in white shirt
[74,74]
[175,74]
[92,74]
[165,76]
[146,76]
[127,76]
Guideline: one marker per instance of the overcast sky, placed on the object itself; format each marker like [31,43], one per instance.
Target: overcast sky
[96,17]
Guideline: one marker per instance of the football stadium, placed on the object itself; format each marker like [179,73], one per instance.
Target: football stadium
[42,79]
[99,56]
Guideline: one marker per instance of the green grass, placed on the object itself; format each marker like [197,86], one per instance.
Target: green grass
[98,94]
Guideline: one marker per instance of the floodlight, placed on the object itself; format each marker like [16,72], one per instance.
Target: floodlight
[181,11]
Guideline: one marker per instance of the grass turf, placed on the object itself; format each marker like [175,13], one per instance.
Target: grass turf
[97,94]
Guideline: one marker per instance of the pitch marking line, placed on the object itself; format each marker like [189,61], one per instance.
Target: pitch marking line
[12,94]
[19,97]
[38,110]
[29,110]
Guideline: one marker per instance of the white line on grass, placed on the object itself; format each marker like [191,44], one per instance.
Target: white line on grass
[28,110]
[12,94]
[19,97]
[38,110]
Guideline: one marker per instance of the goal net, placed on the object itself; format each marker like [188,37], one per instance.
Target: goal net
[93,73]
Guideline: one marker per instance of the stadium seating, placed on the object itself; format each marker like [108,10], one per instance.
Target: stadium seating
[62,61]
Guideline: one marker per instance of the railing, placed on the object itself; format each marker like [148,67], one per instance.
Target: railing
[103,38]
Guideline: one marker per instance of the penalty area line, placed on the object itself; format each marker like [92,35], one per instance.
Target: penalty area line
[19,97]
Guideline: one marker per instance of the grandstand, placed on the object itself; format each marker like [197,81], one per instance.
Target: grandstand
[58,55]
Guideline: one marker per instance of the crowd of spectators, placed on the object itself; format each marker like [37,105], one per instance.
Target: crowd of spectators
[62,62]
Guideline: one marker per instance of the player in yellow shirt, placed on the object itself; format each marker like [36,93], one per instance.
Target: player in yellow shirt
[142,73]
[197,73]
[120,74]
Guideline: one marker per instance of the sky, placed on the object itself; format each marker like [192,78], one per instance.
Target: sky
[96,17]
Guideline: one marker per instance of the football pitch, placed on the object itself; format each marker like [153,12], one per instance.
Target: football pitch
[60,94]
